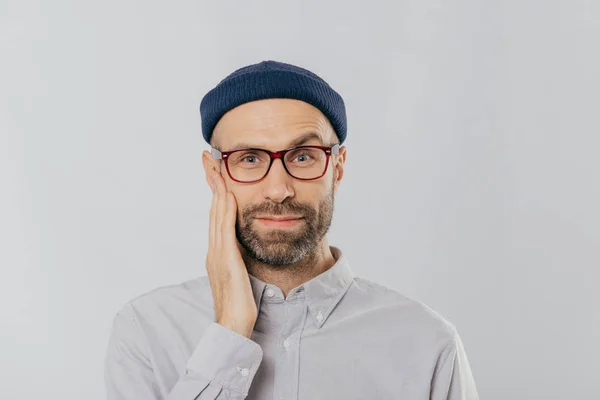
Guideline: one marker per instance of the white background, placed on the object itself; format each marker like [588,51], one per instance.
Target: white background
[472,180]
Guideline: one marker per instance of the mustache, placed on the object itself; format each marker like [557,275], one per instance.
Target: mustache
[287,207]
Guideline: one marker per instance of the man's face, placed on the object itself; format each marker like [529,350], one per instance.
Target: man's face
[274,124]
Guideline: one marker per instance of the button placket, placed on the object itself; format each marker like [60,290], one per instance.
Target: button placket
[286,377]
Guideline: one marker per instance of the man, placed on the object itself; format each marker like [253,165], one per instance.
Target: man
[280,315]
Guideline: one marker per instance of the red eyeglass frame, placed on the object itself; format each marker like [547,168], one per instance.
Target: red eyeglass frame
[224,155]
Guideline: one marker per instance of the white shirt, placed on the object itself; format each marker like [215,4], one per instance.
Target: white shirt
[336,336]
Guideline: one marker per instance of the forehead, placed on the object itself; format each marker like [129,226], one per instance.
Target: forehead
[271,124]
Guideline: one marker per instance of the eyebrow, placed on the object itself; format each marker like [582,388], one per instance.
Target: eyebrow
[307,137]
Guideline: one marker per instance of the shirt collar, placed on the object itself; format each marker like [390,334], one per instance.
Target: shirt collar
[323,292]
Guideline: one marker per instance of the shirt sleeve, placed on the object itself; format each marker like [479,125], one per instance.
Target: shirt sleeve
[222,366]
[453,378]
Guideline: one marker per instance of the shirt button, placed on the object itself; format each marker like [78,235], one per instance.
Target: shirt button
[270,292]
[286,343]
[244,371]
[320,316]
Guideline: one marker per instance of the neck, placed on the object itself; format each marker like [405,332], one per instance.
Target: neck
[290,276]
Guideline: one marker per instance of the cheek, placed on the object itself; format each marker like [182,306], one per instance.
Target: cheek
[245,198]
[314,194]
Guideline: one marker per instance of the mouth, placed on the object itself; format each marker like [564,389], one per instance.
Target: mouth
[279,221]
[279,217]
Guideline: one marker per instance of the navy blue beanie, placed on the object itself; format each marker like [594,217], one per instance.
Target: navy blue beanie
[270,80]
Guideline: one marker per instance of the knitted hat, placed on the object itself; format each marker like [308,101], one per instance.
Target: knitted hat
[270,80]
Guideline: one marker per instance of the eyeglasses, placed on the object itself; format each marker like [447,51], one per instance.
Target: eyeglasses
[251,165]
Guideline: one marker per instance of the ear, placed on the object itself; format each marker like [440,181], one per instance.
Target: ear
[210,165]
[338,164]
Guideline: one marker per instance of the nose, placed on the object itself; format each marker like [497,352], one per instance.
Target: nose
[278,183]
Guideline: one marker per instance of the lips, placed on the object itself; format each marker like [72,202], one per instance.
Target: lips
[279,218]
[279,221]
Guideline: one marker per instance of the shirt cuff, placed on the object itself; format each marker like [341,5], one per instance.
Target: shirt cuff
[226,357]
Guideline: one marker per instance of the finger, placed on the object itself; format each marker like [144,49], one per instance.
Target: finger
[213,222]
[221,207]
[229,220]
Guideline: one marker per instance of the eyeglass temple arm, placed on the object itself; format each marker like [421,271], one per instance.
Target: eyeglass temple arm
[216,154]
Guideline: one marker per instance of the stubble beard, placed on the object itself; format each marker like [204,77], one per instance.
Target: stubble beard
[283,247]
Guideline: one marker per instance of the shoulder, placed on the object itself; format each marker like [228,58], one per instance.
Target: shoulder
[402,314]
[190,294]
